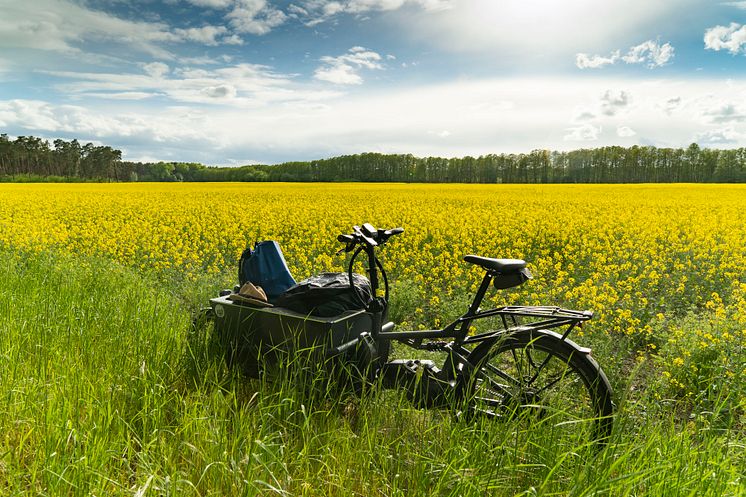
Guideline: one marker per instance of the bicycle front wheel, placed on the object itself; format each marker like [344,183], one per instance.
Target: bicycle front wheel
[538,378]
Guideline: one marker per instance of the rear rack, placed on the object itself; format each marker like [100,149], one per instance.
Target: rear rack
[551,313]
[543,311]
[547,317]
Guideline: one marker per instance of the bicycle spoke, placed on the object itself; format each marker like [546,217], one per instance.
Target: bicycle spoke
[552,383]
[530,358]
[540,368]
[502,374]
[517,363]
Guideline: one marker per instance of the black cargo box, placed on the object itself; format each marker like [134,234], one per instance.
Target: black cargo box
[259,337]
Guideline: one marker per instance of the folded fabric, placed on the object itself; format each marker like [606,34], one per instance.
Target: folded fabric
[237,297]
[254,291]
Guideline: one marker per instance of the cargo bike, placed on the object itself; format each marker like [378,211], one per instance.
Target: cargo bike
[525,369]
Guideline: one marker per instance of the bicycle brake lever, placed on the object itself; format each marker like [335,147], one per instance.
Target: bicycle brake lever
[348,248]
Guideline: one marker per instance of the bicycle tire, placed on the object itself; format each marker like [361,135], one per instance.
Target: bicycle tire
[537,376]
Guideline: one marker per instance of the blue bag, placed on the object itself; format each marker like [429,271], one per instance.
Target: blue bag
[265,266]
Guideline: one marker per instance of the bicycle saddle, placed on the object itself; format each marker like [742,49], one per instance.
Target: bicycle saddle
[499,265]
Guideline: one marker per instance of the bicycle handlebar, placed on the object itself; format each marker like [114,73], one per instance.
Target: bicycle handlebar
[367,235]
[365,239]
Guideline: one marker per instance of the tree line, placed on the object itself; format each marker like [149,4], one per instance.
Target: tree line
[32,156]
[28,156]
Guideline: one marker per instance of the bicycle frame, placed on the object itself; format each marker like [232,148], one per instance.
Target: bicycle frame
[461,348]
[546,317]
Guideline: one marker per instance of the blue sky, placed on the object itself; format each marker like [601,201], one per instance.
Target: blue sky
[244,81]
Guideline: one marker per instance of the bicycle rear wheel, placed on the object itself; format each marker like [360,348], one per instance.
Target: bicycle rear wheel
[536,377]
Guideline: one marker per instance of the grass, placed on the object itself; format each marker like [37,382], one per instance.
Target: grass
[107,390]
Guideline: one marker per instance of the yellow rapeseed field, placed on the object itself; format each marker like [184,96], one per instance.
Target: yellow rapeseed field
[634,254]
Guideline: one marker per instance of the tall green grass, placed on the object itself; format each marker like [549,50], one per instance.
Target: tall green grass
[106,389]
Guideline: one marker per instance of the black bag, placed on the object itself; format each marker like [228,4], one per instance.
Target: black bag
[327,294]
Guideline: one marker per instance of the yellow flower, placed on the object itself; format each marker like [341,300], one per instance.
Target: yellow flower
[586,247]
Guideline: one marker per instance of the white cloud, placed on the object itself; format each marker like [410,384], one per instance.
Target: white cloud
[255,17]
[731,38]
[205,35]
[612,102]
[332,8]
[212,4]
[582,114]
[125,95]
[436,5]
[199,61]
[585,61]
[608,105]
[584,132]
[204,60]
[343,70]
[314,12]
[360,6]
[62,25]
[156,69]
[67,27]
[273,117]
[244,85]
[232,40]
[296,10]
[672,104]
[725,113]
[650,53]
[339,74]
[176,126]
[220,91]
[625,131]
[29,114]
[720,137]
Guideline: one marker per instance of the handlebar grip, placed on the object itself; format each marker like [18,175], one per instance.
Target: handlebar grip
[345,238]
[394,231]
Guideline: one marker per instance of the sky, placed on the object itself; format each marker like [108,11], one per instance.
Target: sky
[232,82]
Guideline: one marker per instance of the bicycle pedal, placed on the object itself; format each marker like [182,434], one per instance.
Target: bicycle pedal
[404,370]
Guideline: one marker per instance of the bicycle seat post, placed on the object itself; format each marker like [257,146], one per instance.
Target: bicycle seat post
[481,292]
[474,306]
